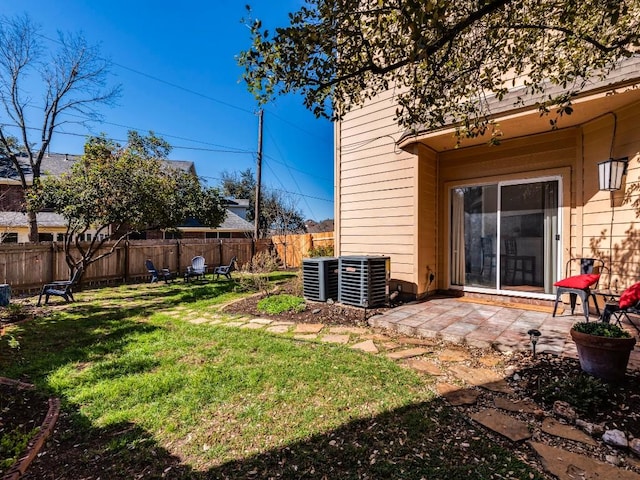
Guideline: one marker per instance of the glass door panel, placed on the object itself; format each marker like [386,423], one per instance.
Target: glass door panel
[528,230]
[474,236]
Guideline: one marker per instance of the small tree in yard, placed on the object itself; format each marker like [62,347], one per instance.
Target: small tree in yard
[120,190]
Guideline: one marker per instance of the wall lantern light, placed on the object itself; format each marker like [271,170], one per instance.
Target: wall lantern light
[610,173]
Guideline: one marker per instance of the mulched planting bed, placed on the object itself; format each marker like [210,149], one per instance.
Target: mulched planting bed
[22,412]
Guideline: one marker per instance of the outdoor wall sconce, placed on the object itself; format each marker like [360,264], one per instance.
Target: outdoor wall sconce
[610,173]
[534,335]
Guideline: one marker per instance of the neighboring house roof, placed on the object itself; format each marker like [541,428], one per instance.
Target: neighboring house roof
[58,163]
[238,202]
[232,223]
[625,75]
[19,219]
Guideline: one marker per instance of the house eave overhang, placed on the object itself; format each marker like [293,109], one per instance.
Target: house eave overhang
[527,120]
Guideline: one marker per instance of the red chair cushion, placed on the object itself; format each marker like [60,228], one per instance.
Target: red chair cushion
[579,282]
[630,296]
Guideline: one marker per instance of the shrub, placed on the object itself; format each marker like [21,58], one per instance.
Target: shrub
[297,284]
[583,392]
[601,329]
[255,273]
[276,304]
[321,251]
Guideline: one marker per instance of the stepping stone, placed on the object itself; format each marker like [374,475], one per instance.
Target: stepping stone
[424,366]
[279,323]
[199,320]
[523,406]
[307,337]
[378,337]
[424,342]
[390,345]
[261,321]
[558,429]
[252,326]
[573,466]
[454,355]
[490,361]
[341,339]
[351,330]
[481,377]
[215,322]
[408,353]
[505,425]
[278,329]
[457,396]
[233,324]
[309,327]
[366,346]
[445,388]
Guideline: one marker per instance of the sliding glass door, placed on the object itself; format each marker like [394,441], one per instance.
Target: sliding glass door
[504,236]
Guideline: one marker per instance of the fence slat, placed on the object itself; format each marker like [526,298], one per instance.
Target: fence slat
[293,248]
[26,267]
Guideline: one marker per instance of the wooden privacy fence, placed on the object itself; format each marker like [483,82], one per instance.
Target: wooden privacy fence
[293,248]
[26,267]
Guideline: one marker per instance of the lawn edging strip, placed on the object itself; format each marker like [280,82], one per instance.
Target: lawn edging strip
[35,444]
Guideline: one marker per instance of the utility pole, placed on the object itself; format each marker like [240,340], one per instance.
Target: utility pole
[258,177]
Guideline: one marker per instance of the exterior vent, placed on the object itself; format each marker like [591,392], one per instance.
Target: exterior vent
[363,280]
[320,278]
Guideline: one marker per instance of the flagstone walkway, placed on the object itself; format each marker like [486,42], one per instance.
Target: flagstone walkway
[434,337]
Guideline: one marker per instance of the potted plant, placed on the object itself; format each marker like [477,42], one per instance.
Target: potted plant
[603,349]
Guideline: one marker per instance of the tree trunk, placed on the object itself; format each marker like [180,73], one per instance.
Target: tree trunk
[33,227]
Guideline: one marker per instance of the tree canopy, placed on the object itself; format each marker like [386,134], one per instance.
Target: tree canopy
[72,80]
[443,59]
[116,190]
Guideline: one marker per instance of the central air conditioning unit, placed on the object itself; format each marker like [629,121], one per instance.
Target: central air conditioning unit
[363,281]
[320,278]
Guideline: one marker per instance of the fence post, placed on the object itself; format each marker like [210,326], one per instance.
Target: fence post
[126,261]
[52,262]
[178,255]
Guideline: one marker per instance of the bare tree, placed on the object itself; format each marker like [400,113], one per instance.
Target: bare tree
[283,217]
[73,78]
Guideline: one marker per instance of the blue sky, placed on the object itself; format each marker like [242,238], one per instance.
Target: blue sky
[176,64]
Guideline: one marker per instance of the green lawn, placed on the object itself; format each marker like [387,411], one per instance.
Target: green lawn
[148,382]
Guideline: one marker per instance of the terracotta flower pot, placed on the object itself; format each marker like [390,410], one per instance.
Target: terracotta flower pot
[603,357]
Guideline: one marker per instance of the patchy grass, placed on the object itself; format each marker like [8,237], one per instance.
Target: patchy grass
[276,304]
[150,388]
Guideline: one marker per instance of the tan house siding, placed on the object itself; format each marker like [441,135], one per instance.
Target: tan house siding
[427,221]
[376,197]
[603,209]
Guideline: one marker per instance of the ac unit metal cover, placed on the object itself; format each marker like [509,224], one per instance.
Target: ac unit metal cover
[320,278]
[363,281]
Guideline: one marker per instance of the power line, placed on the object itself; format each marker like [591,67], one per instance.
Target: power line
[292,177]
[314,175]
[280,190]
[102,122]
[185,89]
[120,140]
